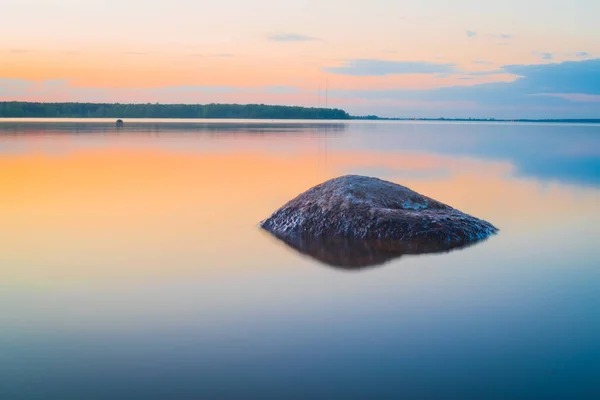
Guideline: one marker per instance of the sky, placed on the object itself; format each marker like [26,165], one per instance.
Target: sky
[465,58]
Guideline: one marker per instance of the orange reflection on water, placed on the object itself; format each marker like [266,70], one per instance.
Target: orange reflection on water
[115,213]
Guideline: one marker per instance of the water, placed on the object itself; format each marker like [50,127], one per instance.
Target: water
[132,265]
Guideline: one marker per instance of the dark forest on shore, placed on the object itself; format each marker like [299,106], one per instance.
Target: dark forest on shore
[117,110]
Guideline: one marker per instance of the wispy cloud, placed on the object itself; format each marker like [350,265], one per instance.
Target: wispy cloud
[543,55]
[19,89]
[138,53]
[11,86]
[569,77]
[270,89]
[482,61]
[217,55]
[504,39]
[582,54]
[471,33]
[291,37]
[486,73]
[372,67]
[575,97]
[572,87]
[20,51]
[503,36]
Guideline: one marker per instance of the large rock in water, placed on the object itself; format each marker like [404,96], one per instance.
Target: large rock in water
[355,221]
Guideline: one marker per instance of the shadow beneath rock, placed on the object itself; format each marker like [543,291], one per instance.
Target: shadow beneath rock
[357,254]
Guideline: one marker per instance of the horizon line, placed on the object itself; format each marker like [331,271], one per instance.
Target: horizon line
[354,117]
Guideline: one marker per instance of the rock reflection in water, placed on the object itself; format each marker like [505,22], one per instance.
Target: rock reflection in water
[354,254]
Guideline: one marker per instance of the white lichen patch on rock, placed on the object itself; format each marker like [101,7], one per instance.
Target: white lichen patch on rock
[409,205]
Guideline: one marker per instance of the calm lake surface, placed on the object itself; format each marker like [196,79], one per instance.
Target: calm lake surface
[131,264]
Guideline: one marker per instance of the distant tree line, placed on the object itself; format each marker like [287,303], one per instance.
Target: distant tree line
[117,110]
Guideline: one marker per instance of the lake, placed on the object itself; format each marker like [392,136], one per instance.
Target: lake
[132,265]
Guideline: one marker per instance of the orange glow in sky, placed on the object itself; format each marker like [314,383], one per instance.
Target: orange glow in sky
[140,51]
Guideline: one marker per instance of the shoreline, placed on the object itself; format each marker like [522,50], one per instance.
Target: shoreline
[112,121]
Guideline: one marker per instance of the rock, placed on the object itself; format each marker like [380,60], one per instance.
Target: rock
[360,207]
[120,123]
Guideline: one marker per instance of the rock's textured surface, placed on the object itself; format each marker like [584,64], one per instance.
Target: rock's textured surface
[361,207]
